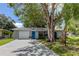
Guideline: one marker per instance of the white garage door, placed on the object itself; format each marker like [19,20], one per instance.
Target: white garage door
[24,34]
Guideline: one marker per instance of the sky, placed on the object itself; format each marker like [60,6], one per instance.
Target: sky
[5,9]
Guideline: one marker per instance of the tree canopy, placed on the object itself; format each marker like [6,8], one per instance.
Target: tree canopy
[30,14]
[6,22]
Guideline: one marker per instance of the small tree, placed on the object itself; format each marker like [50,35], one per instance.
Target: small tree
[69,11]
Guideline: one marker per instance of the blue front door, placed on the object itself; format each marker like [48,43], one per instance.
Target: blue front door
[33,34]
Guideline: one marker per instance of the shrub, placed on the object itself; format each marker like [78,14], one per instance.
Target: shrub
[6,32]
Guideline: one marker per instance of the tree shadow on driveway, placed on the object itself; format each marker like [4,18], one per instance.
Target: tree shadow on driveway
[34,50]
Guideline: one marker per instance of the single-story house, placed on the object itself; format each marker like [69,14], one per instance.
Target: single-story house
[34,33]
[23,33]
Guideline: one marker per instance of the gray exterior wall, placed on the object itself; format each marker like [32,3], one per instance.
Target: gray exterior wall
[15,34]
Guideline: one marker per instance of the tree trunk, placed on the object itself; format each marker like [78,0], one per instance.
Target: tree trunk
[63,36]
[51,27]
[52,17]
[50,21]
[52,31]
[48,33]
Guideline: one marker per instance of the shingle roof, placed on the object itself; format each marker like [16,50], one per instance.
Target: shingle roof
[36,29]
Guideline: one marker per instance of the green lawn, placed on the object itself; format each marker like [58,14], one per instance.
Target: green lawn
[5,41]
[72,48]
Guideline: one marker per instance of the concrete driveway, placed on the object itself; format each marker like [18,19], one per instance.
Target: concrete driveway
[25,48]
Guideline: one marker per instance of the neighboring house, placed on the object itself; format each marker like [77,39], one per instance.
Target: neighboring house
[23,33]
[5,33]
